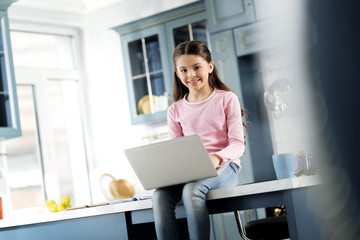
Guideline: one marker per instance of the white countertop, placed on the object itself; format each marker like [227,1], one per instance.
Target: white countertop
[263,187]
[78,213]
[241,190]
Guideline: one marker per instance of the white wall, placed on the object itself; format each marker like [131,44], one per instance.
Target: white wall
[108,108]
[131,10]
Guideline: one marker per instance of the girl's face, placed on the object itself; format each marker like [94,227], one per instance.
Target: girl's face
[193,71]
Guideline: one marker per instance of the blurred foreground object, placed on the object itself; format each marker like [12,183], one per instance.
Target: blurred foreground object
[278,96]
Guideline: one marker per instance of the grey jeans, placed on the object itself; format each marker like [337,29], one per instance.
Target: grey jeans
[194,198]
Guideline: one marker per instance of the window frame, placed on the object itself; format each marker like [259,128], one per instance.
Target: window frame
[38,78]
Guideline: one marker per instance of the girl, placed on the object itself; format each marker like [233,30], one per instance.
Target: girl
[203,105]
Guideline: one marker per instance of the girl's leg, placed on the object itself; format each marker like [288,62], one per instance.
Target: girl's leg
[164,202]
[194,198]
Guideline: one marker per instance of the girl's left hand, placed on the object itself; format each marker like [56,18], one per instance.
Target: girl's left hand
[216,160]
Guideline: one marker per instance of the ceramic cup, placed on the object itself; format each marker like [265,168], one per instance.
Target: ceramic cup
[286,165]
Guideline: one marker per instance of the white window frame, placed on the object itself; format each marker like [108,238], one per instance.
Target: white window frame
[38,78]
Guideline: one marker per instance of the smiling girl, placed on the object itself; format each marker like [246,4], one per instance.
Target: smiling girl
[205,106]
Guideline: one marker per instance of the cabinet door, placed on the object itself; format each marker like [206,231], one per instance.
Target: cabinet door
[146,66]
[248,40]
[223,51]
[9,113]
[193,27]
[257,37]
[226,14]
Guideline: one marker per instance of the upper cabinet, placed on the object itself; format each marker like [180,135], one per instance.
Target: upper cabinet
[226,14]
[146,64]
[192,27]
[9,112]
[147,47]
[254,38]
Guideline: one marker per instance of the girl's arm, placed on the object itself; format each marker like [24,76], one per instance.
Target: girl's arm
[174,127]
[235,133]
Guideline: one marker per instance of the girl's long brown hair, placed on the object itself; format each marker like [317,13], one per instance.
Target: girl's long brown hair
[200,49]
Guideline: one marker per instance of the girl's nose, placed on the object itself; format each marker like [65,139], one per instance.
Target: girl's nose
[191,73]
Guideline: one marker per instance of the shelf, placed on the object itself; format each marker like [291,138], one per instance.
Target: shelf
[144,74]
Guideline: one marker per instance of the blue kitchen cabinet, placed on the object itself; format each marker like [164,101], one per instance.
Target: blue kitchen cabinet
[146,65]
[147,46]
[226,14]
[193,27]
[9,112]
[257,37]
[223,52]
[225,59]
[249,39]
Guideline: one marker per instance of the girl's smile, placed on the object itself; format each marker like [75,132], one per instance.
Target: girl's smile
[193,81]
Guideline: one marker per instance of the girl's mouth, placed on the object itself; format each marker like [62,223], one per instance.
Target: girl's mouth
[192,82]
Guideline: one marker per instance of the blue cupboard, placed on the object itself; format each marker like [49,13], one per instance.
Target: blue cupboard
[227,14]
[147,46]
[9,112]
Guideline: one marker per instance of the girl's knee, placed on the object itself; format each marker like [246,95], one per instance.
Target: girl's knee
[193,191]
[159,196]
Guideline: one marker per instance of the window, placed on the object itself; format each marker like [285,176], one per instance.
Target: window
[42,50]
[49,160]
[24,158]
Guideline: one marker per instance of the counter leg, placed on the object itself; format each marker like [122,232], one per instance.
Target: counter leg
[302,221]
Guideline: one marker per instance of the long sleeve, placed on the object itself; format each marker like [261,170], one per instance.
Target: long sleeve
[174,127]
[235,131]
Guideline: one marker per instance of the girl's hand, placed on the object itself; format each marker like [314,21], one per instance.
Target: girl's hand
[216,160]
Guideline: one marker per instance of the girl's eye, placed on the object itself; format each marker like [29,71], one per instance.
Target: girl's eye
[183,70]
[197,67]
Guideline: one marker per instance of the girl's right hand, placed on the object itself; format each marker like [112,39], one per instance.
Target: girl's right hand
[216,160]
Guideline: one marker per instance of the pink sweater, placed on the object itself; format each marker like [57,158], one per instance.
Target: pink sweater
[217,120]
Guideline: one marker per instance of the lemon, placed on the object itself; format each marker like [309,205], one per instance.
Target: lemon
[50,203]
[53,208]
[60,208]
[65,200]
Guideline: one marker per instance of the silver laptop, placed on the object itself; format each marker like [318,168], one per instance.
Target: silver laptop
[172,162]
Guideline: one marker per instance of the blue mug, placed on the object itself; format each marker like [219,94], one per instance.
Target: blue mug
[285,165]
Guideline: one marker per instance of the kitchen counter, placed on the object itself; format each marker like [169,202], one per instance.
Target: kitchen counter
[78,213]
[263,187]
[140,211]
